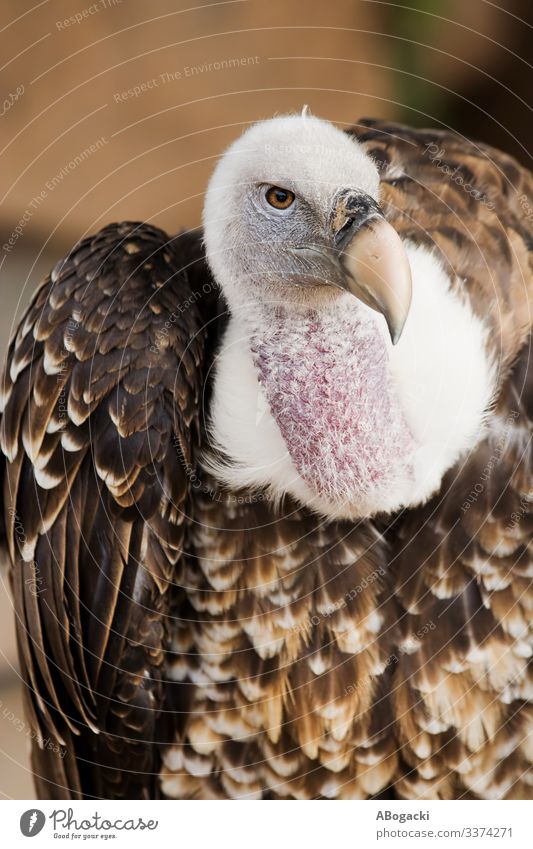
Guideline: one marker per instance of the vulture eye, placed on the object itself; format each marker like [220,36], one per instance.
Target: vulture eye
[279,198]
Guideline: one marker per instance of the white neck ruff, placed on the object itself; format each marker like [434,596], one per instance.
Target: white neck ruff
[321,406]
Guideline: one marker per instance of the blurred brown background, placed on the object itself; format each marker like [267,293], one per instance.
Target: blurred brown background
[117,109]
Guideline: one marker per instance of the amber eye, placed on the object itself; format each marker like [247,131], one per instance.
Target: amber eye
[279,198]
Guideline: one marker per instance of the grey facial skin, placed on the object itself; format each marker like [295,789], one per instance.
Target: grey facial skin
[355,249]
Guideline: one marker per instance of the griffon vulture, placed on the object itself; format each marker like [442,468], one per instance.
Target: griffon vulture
[267,489]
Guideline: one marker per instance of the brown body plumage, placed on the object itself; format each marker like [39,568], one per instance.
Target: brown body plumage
[223,646]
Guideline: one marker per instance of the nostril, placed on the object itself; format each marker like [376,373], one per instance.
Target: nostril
[342,235]
[351,211]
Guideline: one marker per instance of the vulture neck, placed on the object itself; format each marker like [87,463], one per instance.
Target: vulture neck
[326,377]
[315,402]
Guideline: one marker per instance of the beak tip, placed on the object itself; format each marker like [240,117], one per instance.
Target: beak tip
[395,335]
[395,332]
[396,325]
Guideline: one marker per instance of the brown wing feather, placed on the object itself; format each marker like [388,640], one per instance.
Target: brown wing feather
[101,401]
[465,568]
[472,205]
[464,563]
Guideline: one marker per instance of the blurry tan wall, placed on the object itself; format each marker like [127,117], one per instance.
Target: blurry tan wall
[345,58]
[158,146]
[159,89]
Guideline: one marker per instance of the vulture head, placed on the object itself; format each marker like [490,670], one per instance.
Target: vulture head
[292,216]
[334,382]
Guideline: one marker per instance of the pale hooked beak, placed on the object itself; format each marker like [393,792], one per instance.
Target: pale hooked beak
[374,260]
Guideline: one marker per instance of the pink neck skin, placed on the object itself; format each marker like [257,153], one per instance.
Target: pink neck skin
[328,385]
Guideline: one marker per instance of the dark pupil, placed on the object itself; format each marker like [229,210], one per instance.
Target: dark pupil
[281,196]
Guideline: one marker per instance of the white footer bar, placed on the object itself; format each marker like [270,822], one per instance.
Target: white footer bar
[270,825]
